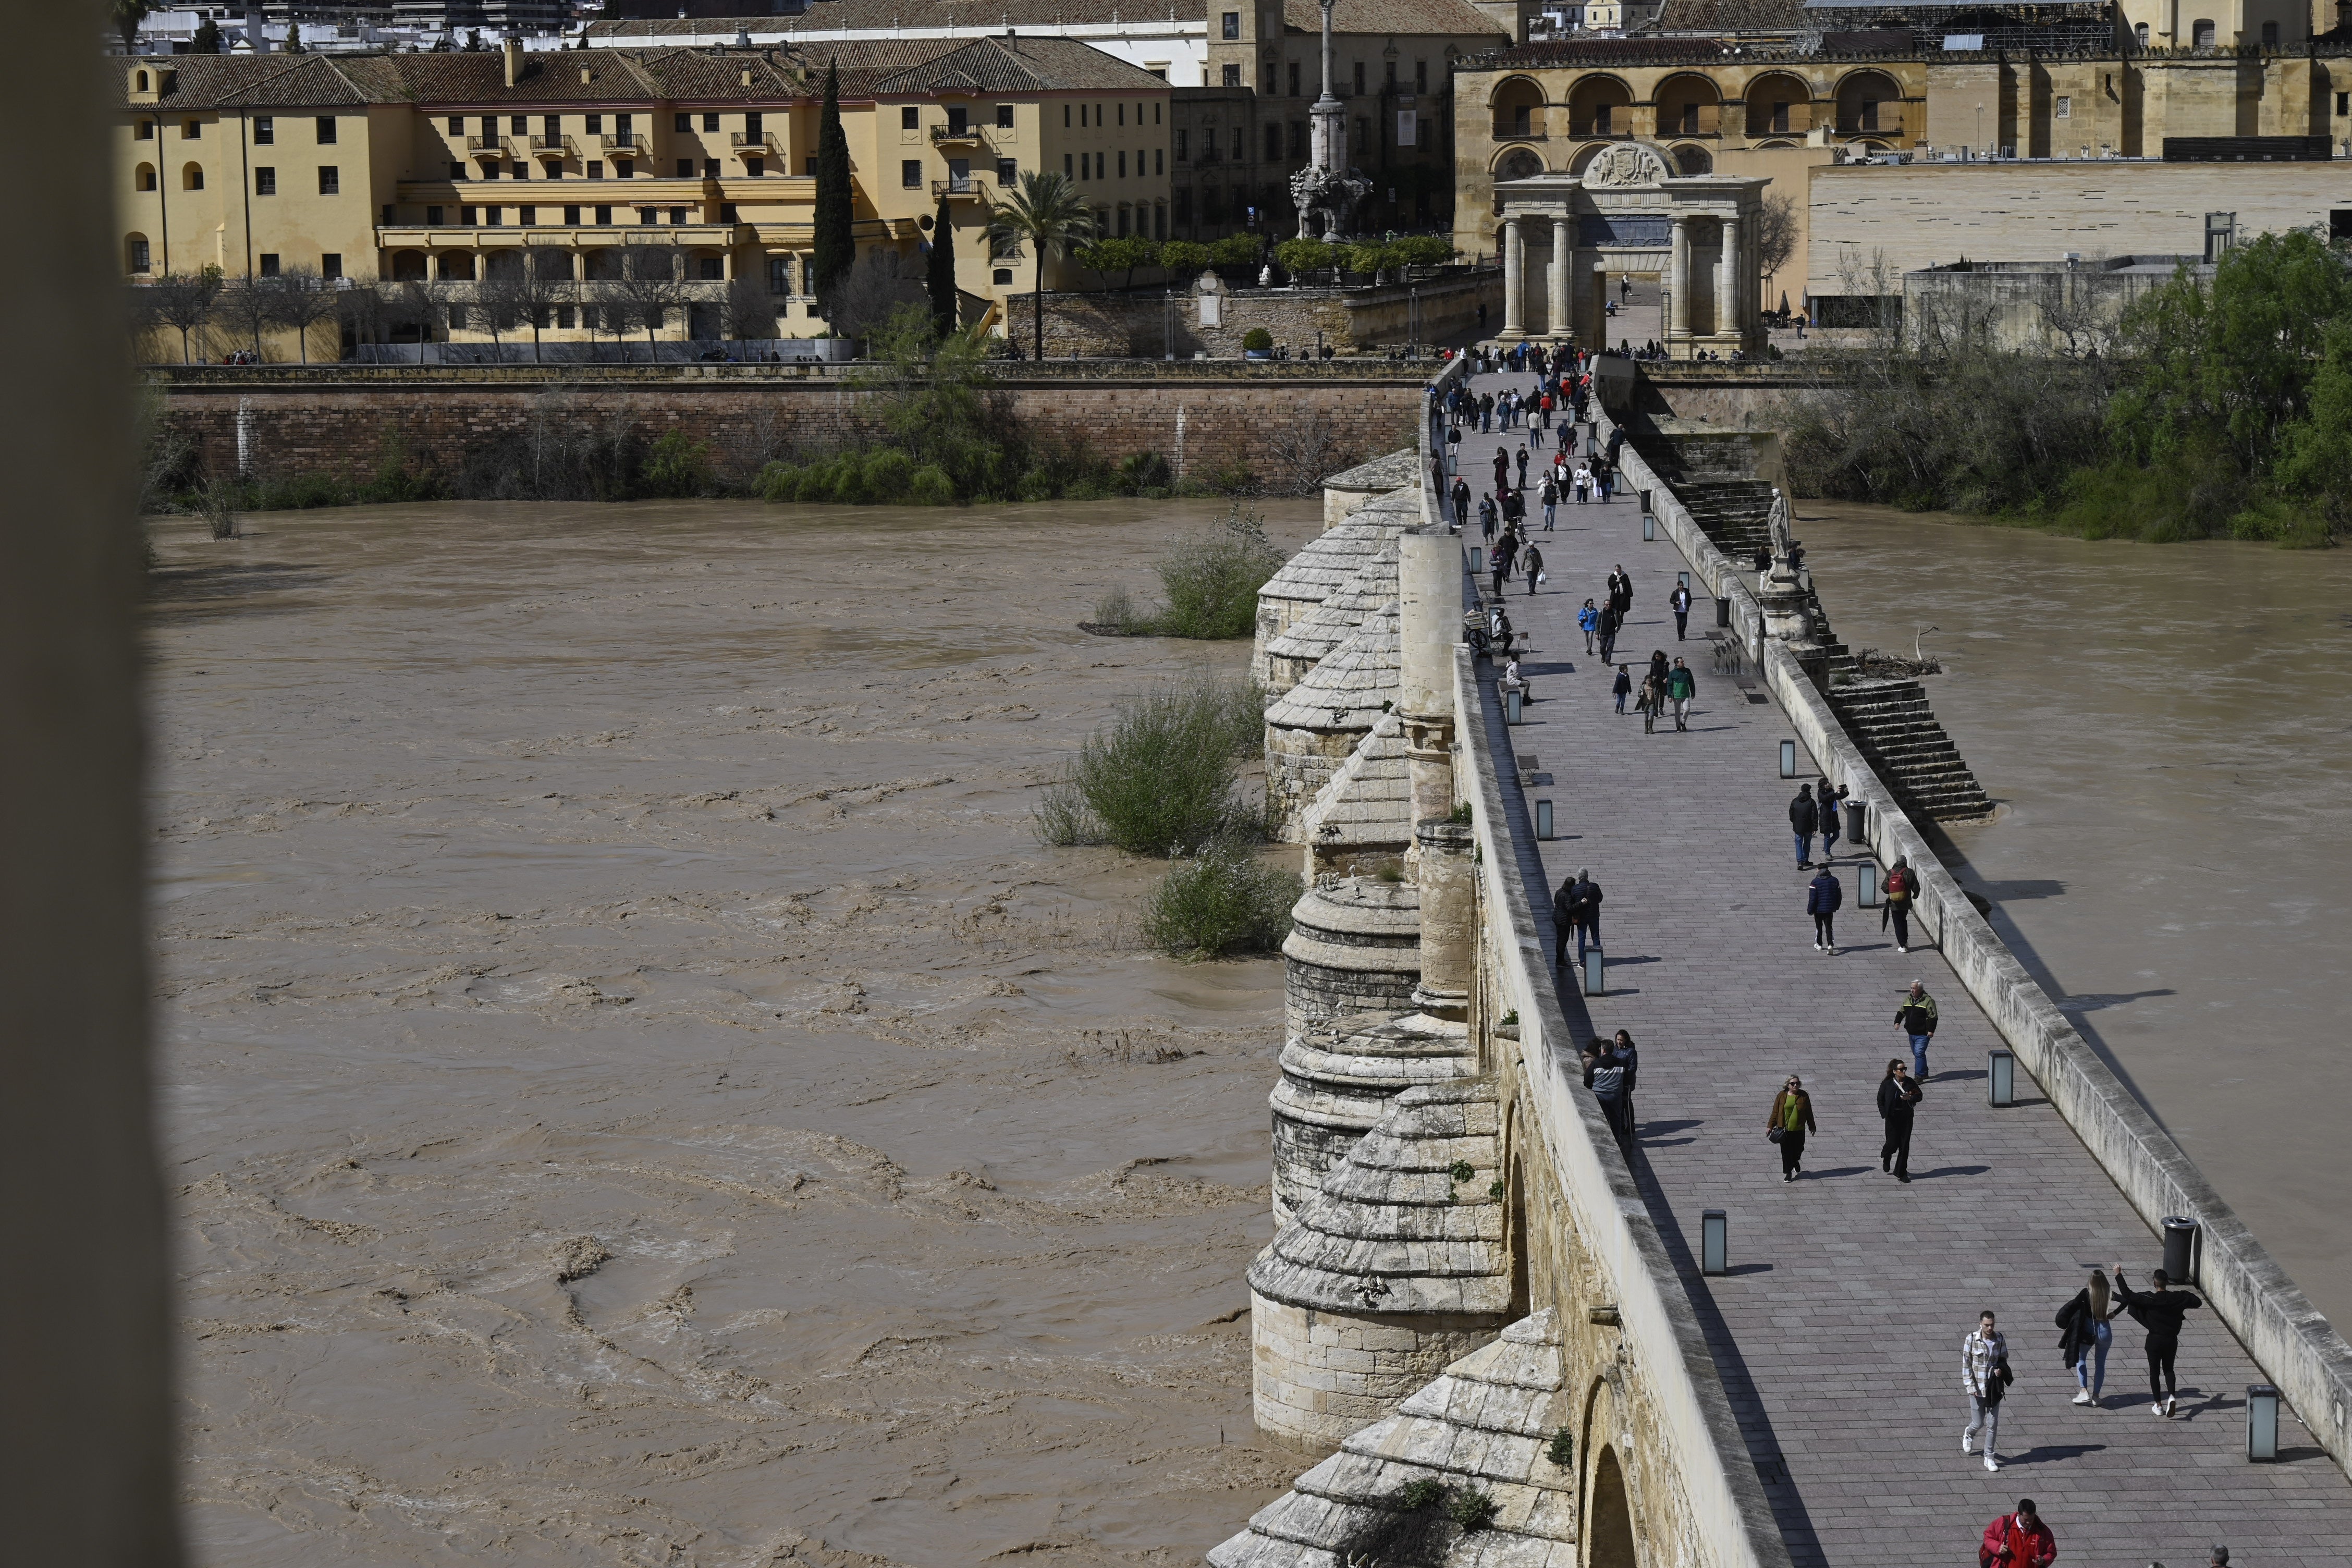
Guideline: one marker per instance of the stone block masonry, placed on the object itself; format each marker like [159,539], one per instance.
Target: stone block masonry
[1287,423]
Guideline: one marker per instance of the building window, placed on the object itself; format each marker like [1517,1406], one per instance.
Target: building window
[1008,173]
[682,123]
[494,217]
[752,128]
[1124,217]
[2062,108]
[910,174]
[1122,164]
[710,269]
[686,168]
[1155,115]
[676,215]
[2201,34]
[1066,117]
[1269,78]
[1068,166]
[710,168]
[264,183]
[1183,139]
[1122,115]
[145,178]
[265,131]
[1293,78]
[1232,24]
[391,215]
[268,261]
[624,124]
[458,124]
[709,121]
[571,215]
[780,275]
[468,217]
[1272,142]
[191,129]
[1421,76]
[139,262]
[456,169]
[595,169]
[2140,34]
[433,217]
[1870,114]
[1004,116]
[1002,275]
[517,171]
[1298,139]
[1159,220]
[604,215]
[808,168]
[146,131]
[327,129]
[552,127]
[330,180]
[564,317]
[527,216]
[624,170]
[331,264]
[910,118]
[1208,143]
[727,213]
[2344,103]
[491,171]
[1184,203]
[2270,34]
[1231,76]
[1159,159]
[596,125]
[1360,79]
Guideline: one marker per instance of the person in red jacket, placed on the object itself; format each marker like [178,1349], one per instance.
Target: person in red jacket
[2018,1540]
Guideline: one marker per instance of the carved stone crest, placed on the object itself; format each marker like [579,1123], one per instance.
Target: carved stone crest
[1626,164]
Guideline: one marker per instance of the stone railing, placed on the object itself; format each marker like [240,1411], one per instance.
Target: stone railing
[2295,1346]
[1731,1520]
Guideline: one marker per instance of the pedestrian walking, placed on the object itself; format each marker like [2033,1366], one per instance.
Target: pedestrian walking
[1791,1119]
[1521,459]
[1901,886]
[1652,699]
[1588,621]
[1588,913]
[1833,801]
[1604,1074]
[1898,1096]
[1514,511]
[2084,1335]
[1804,820]
[1682,687]
[2017,1539]
[1550,495]
[1915,1014]
[1631,1055]
[1487,518]
[1985,1377]
[1566,920]
[1623,686]
[2158,1312]
[1531,564]
[1681,600]
[1822,896]
[1502,470]
[1461,503]
[1624,583]
[1609,622]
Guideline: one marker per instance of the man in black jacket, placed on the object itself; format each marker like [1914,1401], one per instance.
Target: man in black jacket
[1805,820]
[1898,1096]
[2159,1312]
[1576,908]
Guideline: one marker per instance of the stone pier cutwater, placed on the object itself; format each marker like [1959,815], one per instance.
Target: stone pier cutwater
[1489,1314]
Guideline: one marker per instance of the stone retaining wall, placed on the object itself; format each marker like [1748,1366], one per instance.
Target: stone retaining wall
[2296,1347]
[1287,425]
[1138,324]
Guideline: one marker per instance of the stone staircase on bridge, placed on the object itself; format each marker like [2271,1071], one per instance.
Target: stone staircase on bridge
[1898,733]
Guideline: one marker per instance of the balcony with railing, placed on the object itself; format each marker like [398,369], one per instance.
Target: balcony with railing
[485,146]
[551,147]
[756,143]
[626,144]
[961,187]
[953,135]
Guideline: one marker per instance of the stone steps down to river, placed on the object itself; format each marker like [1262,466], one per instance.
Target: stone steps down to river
[1326,563]
[1732,514]
[1311,729]
[1483,1426]
[1363,818]
[1339,1079]
[1311,639]
[1899,736]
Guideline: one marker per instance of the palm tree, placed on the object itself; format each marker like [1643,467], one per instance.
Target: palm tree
[1045,213]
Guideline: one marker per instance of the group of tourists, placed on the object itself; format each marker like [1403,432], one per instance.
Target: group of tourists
[1899,887]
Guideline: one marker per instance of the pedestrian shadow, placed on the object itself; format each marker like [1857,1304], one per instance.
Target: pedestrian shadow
[1682,1126]
[1622,963]
[2051,1454]
[1949,1171]
[1826,1175]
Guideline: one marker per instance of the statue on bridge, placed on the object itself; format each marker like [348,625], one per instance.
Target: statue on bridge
[1326,192]
[1778,523]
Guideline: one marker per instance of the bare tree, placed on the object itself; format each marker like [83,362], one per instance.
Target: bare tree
[1776,233]
[545,283]
[427,302]
[299,300]
[1304,451]
[249,306]
[648,289]
[751,309]
[869,292]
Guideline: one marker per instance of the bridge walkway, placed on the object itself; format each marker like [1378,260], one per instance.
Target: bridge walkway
[1837,1333]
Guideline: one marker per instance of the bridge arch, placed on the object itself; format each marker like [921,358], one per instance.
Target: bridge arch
[1609,1516]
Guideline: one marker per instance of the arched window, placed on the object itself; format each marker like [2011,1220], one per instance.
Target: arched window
[1519,106]
[408,267]
[2140,34]
[457,266]
[2200,32]
[1869,102]
[143,177]
[135,255]
[1779,105]
[143,88]
[1689,106]
[192,178]
[1601,106]
[1693,161]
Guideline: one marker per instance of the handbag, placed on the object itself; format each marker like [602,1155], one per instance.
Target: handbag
[1772,1134]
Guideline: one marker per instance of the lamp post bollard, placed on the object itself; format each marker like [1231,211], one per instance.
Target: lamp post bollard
[1787,759]
[2001,1077]
[1714,1242]
[1592,972]
[2262,1424]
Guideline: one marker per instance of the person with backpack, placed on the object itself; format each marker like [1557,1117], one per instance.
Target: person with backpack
[2083,1337]
[1901,886]
[1915,1014]
[2158,1312]
[1804,820]
[1682,687]
[1898,1096]
[1985,1377]
[1588,621]
[1791,1119]
[2018,1540]
[1823,894]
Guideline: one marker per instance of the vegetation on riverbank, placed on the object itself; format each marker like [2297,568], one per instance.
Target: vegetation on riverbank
[1211,580]
[2217,410]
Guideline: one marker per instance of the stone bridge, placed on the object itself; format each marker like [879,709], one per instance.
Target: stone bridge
[1485,1317]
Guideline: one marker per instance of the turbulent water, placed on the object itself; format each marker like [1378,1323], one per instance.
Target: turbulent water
[2168,730]
[636,1091]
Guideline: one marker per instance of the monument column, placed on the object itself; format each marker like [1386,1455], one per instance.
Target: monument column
[1729,308]
[1679,271]
[1514,281]
[1564,260]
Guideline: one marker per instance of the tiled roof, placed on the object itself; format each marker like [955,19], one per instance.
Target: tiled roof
[1449,17]
[1597,52]
[1730,18]
[241,81]
[912,15]
[1019,65]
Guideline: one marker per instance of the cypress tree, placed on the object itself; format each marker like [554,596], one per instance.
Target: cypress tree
[941,281]
[835,248]
[207,40]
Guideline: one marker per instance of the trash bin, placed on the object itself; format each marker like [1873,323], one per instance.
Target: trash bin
[1853,821]
[1723,611]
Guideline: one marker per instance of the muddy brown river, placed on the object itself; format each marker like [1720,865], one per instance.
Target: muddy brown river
[637,1093]
[2168,732]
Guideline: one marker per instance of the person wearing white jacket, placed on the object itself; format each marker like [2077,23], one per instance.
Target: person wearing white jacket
[1984,1378]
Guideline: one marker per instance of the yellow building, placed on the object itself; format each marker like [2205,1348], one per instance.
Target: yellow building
[449,166]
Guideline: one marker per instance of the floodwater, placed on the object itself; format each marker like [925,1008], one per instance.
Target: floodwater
[636,1093]
[2167,730]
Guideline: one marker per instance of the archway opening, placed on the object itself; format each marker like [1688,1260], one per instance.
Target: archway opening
[1779,105]
[1519,164]
[1691,159]
[192,178]
[1869,102]
[1601,106]
[408,267]
[457,266]
[1519,106]
[1611,1517]
[1689,106]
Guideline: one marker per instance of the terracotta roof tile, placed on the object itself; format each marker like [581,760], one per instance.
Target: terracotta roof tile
[914,15]
[1412,17]
[1730,18]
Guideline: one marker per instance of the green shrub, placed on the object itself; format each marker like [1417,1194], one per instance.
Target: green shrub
[1237,250]
[1224,900]
[676,468]
[1472,1509]
[1426,1492]
[1184,257]
[1421,250]
[1144,473]
[1211,579]
[1257,340]
[1160,778]
[1115,609]
[1305,255]
[1063,819]
[1365,258]
[930,485]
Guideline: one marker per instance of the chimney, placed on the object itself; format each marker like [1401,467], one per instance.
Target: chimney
[255,38]
[513,47]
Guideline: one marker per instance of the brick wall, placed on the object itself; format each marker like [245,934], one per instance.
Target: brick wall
[1289,425]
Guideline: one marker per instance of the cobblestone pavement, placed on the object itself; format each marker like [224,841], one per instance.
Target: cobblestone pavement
[1838,1331]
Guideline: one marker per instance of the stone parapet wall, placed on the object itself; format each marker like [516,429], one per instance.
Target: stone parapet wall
[1140,324]
[1287,428]
[2293,1345]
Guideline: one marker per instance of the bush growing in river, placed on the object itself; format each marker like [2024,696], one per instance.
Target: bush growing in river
[1223,901]
[1160,777]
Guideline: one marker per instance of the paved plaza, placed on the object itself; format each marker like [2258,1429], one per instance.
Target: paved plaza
[1838,1331]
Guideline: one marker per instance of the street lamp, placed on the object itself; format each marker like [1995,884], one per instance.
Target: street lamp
[2262,1424]
[2001,1077]
[1714,1242]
